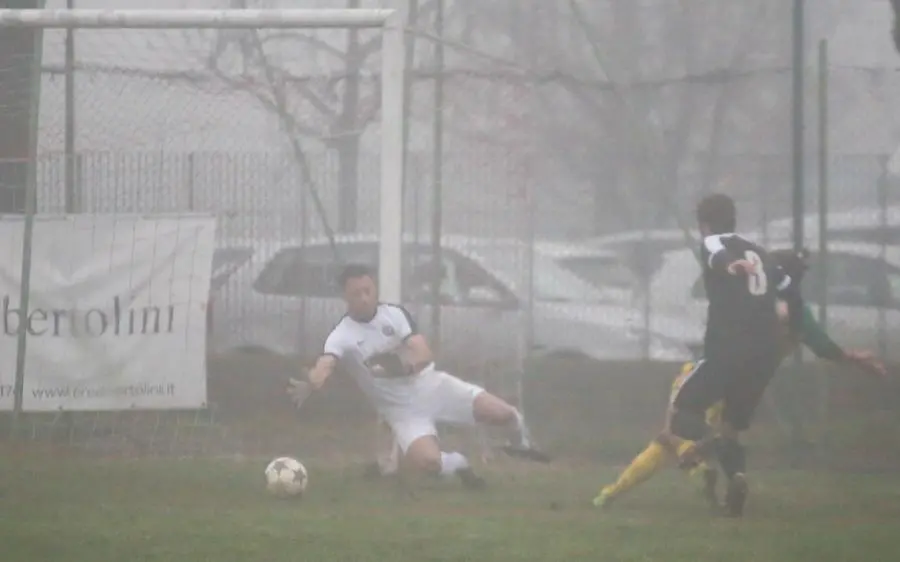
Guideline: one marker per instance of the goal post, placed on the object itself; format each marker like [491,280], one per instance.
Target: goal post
[392,77]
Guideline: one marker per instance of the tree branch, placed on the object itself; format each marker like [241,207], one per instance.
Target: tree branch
[267,102]
[299,154]
[738,56]
[305,40]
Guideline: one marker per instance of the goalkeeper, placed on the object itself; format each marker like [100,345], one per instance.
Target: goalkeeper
[667,447]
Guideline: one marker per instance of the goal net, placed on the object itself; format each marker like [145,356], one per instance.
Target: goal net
[156,160]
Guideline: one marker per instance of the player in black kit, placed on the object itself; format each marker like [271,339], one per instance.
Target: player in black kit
[741,343]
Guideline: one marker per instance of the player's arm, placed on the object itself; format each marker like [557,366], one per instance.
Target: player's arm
[722,258]
[789,291]
[324,367]
[719,256]
[418,354]
[814,336]
[300,389]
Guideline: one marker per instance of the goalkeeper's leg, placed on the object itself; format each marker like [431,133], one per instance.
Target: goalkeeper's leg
[417,439]
[650,461]
[458,402]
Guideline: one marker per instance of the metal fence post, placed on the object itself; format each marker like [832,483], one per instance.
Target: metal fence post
[823,164]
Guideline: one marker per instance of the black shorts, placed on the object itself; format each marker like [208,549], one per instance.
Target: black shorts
[738,383]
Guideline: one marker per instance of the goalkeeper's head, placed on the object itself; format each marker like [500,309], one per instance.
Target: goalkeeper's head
[360,291]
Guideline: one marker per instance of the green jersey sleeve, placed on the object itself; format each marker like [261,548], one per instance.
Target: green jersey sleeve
[814,337]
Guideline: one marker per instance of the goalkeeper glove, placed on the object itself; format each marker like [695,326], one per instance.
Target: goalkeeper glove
[299,391]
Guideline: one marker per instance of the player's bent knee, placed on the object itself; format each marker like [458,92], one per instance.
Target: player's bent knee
[667,440]
[424,455]
[688,425]
[493,410]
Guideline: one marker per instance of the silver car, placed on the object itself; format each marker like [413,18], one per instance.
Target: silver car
[286,302]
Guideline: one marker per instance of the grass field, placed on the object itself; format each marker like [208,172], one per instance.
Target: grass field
[79,510]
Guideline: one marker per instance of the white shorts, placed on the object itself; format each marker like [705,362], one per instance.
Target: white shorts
[441,398]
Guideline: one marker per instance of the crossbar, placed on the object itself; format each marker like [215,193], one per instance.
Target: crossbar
[184,19]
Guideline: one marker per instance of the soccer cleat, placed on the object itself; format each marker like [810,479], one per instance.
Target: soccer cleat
[710,480]
[736,496]
[603,500]
[526,453]
[372,471]
[470,480]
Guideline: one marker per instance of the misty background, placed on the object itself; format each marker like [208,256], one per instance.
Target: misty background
[559,123]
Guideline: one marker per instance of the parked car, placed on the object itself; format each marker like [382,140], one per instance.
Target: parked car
[868,225]
[604,268]
[642,250]
[287,301]
[860,283]
[228,258]
[612,279]
[552,284]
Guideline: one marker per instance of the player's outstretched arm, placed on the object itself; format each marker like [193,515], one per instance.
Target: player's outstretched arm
[300,389]
[323,369]
[820,343]
[814,336]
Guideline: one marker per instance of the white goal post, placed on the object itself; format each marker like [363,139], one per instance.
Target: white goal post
[392,73]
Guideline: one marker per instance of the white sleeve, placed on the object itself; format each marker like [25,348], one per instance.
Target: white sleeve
[406,326]
[713,245]
[335,344]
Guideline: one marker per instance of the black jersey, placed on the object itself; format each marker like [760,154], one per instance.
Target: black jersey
[741,319]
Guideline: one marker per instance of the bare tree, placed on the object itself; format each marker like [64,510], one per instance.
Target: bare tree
[332,105]
[635,92]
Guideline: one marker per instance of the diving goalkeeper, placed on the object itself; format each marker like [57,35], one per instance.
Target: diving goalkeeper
[667,447]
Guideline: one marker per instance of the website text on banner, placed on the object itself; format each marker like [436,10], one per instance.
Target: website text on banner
[117,312]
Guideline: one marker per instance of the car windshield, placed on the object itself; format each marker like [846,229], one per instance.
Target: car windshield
[600,271]
[551,281]
[645,257]
[225,262]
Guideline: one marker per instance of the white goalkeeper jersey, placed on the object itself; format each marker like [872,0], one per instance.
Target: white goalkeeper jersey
[354,343]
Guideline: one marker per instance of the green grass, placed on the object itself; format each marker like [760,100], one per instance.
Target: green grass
[77,510]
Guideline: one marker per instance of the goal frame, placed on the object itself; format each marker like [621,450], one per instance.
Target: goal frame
[393,70]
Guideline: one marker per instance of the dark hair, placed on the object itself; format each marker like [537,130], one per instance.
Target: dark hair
[794,263]
[354,271]
[717,211]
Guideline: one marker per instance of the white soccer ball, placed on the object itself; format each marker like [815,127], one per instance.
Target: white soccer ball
[286,477]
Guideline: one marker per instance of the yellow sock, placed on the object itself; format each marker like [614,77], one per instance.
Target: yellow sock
[643,466]
[700,467]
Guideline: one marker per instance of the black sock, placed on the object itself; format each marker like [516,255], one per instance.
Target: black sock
[731,456]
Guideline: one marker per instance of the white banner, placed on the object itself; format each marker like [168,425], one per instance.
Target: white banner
[117,311]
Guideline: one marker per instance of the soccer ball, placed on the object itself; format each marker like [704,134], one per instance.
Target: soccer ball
[286,477]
